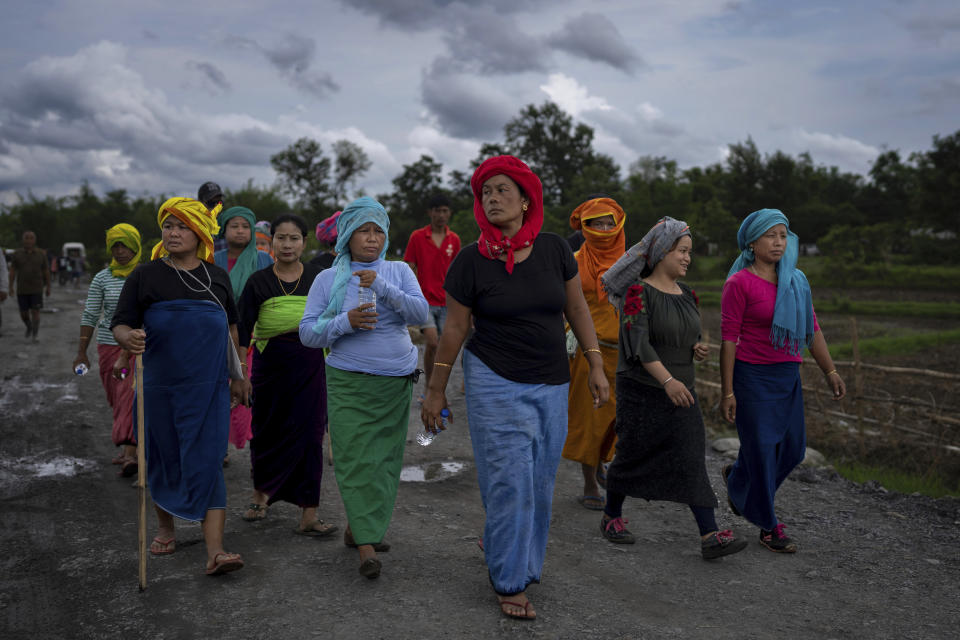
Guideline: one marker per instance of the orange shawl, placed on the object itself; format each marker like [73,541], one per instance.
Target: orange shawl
[600,248]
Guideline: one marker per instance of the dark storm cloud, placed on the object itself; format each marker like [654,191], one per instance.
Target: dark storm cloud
[417,15]
[465,106]
[213,74]
[293,58]
[931,27]
[595,37]
[505,49]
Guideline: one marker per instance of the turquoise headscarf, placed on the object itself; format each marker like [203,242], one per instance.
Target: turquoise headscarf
[247,261]
[355,215]
[792,327]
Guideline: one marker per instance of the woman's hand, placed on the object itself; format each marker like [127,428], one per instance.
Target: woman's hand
[837,385]
[81,359]
[599,386]
[121,366]
[728,409]
[433,403]
[367,276]
[240,392]
[363,317]
[678,393]
[134,341]
[701,351]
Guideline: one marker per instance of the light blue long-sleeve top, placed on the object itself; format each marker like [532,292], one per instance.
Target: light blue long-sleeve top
[385,350]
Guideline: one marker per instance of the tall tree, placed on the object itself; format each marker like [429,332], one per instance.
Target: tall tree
[303,173]
[350,163]
[412,190]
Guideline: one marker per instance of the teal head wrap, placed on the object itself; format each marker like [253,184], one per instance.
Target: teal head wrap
[355,215]
[247,260]
[792,327]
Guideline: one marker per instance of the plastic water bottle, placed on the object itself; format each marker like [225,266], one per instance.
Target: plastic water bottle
[366,296]
[425,438]
[81,369]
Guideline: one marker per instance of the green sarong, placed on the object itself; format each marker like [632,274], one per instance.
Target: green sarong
[368,418]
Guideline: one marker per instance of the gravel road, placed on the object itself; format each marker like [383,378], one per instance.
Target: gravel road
[872,564]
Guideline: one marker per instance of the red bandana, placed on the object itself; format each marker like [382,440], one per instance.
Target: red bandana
[492,244]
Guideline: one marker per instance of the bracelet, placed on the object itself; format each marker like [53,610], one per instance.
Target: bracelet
[87,338]
[728,396]
[829,373]
[443,364]
[594,350]
[664,383]
[243,364]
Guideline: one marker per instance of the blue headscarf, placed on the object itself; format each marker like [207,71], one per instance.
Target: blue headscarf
[792,327]
[355,215]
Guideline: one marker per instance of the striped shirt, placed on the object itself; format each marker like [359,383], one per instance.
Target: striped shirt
[101,303]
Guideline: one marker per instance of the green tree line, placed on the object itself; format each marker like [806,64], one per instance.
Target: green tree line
[903,210]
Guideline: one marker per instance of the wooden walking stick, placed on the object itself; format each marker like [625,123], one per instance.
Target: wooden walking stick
[141,477]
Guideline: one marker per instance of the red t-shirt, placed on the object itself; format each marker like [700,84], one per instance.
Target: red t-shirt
[432,262]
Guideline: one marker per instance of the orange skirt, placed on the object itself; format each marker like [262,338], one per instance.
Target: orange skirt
[590,432]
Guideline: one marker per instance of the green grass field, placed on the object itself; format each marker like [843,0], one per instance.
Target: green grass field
[896,480]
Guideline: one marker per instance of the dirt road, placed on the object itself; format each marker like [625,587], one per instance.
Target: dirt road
[872,564]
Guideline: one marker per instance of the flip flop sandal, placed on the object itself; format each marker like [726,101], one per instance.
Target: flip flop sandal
[526,606]
[594,503]
[259,512]
[370,568]
[128,469]
[169,546]
[324,531]
[231,562]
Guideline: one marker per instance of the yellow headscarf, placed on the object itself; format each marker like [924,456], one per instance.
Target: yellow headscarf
[128,236]
[201,221]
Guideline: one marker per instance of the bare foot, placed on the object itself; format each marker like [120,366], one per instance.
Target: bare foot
[517,606]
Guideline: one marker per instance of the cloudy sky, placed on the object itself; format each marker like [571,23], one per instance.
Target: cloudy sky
[169,94]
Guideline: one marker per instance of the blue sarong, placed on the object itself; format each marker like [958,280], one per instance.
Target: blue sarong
[773,436]
[517,431]
[186,406]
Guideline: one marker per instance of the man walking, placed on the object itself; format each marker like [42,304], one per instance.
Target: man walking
[29,276]
[429,253]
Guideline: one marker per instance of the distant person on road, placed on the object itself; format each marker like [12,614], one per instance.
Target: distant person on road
[211,195]
[518,284]
[178,311]
[370,369]
[29,278]
[123,243]
[240,259]
[290,414]
[327,237]
[660,433]
[590,431]
[767,319]
[429,253]
[4,283]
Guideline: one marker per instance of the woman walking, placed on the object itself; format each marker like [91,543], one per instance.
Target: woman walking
[590,431]
[290,415]
[240,259]
[123,243]
[517,284]
[370,369]
[767,319]
[660,433]
[178,311]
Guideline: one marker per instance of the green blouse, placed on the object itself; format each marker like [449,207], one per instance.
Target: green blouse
[665,329]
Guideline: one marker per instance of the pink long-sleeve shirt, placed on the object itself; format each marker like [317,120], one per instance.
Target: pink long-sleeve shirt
[746,314]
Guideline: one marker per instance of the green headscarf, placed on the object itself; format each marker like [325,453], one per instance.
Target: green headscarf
[247,261]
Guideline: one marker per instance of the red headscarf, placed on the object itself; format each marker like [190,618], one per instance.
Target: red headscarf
[600,248]
[492,244]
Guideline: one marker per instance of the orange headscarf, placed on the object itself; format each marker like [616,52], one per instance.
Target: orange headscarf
[600,248]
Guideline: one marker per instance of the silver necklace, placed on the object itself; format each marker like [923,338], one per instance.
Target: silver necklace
[205,287]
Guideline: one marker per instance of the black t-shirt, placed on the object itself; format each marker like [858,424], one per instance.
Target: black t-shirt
[518,317]
[323,259]
[156,281]
[262,286]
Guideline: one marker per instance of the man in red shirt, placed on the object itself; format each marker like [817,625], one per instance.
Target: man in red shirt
[429,253]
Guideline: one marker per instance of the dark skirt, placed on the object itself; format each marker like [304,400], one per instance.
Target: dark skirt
[660,448]
[289,420]
[186,399]
[773,436]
